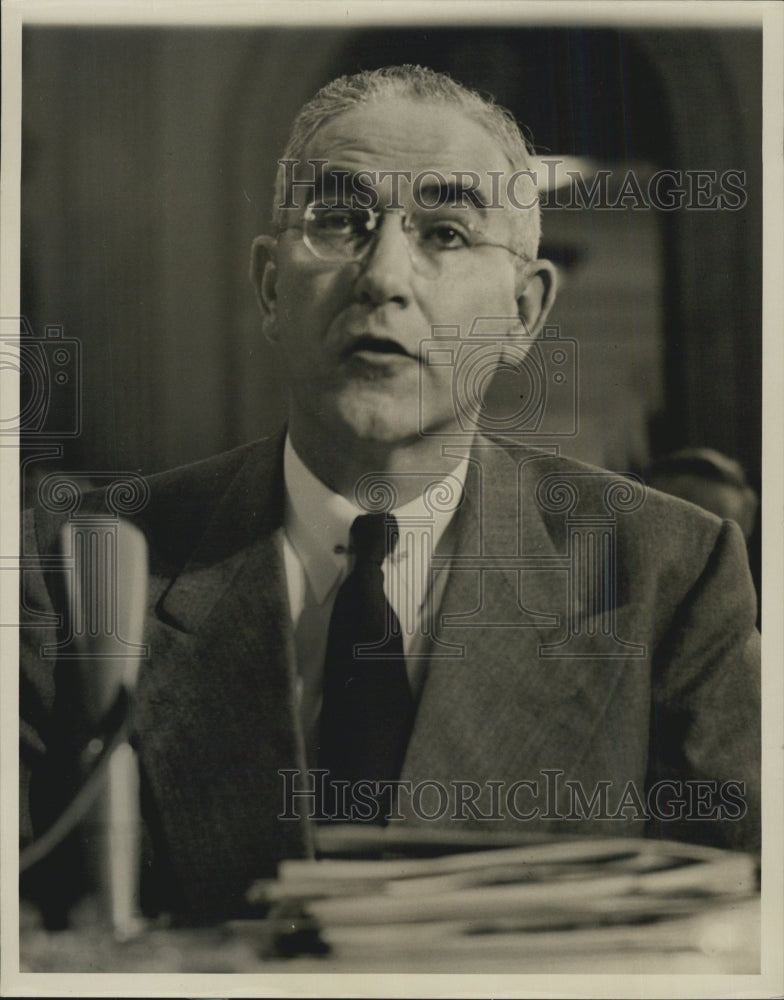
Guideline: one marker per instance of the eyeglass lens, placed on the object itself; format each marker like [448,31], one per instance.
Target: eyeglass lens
[344,233]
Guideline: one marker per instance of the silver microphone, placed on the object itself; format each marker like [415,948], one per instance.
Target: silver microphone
[106,589]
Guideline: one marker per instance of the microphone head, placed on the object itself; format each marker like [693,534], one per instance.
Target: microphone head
[106,590]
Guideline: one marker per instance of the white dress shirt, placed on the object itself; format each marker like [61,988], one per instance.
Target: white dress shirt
[315,542]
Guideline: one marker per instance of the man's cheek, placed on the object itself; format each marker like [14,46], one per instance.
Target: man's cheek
[437,385]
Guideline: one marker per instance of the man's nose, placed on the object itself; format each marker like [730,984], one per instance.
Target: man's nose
[386,271]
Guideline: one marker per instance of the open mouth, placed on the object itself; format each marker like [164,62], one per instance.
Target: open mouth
[380,346]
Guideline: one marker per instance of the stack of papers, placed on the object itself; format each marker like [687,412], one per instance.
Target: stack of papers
[388,892]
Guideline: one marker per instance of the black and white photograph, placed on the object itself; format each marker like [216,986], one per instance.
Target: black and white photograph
[391,505]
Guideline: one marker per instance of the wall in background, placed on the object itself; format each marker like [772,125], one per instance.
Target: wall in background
[148,165]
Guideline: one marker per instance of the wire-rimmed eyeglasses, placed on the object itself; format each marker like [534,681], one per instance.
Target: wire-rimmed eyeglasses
[437,238]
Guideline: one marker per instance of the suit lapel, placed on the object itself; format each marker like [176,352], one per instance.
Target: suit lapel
[502,711]
[218,716]
[248,514]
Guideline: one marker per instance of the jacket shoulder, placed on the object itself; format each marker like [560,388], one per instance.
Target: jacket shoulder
[567,485]
[199,482]
[656,538]
[175,506]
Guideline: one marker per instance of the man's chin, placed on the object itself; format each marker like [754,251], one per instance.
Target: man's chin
[370,429]
[401,423]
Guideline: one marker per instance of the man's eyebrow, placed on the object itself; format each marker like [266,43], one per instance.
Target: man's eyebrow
[435,195]
[334,179]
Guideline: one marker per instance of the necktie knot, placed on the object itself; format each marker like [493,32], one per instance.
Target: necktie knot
[373,537]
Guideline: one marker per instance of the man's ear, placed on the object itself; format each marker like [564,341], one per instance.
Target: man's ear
[263,276]
[536,289]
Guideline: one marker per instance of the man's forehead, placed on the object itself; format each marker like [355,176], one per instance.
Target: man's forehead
[408,136]
[399,154]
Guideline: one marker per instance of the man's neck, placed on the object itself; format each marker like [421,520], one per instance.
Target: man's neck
[340,462]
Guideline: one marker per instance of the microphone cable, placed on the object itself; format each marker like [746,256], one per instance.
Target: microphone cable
[112,733]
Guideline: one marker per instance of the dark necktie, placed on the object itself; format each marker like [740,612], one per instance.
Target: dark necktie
[368,710]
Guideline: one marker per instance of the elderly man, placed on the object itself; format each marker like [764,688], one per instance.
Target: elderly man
[384,614]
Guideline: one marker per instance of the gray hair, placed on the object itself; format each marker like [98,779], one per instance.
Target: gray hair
[418,83]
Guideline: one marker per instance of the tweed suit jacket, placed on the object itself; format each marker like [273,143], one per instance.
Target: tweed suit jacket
[592,633]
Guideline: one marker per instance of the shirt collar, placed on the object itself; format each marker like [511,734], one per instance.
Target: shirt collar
[318,521]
